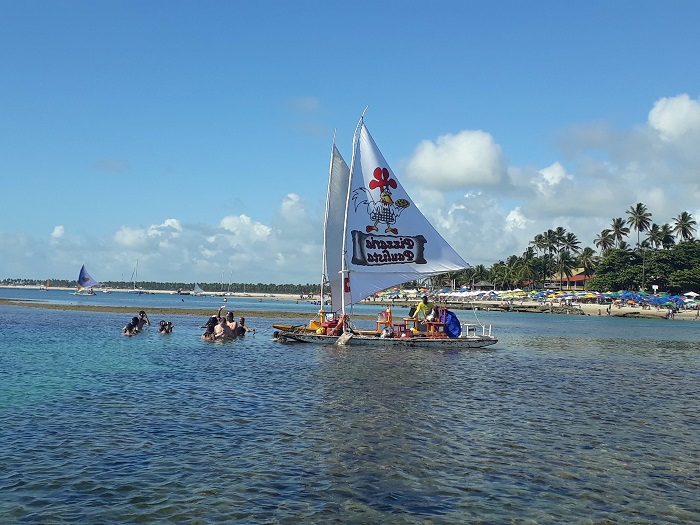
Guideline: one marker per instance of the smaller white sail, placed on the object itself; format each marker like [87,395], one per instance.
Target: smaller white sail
[333,233]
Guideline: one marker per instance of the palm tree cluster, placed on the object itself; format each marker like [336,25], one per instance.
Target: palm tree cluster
[557,253]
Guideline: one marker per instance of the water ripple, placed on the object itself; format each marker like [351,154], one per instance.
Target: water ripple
[562,424]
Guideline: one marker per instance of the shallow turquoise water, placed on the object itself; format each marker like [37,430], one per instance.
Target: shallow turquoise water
[566,420]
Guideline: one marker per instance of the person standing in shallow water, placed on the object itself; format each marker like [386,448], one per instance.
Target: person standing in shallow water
[143,320]
[242,328]
[232,324]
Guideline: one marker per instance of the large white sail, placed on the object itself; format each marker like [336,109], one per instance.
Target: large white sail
[388,240]
[335,219]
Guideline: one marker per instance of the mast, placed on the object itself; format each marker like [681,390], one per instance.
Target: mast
[345,272]
[321,312]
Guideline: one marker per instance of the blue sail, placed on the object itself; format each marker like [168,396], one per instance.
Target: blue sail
[84,279]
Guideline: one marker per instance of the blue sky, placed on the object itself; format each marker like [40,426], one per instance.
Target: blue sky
[195,136]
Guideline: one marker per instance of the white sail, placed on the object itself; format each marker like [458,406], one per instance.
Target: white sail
[388,240]
[333,228]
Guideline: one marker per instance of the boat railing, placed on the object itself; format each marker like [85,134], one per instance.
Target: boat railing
[472,330]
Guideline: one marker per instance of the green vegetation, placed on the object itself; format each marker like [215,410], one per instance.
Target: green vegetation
[669,258]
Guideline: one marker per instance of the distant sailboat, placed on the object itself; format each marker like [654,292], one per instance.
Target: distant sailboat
[134,277]
[85,283]
[197,290]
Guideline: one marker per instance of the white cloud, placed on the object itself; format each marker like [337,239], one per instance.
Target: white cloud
[515,220]
[242,230]
[58,232]
[675,117]
[455,162]
[131,238]
[549,178]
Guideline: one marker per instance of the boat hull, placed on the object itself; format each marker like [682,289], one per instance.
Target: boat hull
[436,343]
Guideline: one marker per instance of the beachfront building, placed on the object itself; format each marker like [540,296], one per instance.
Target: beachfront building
[575,282]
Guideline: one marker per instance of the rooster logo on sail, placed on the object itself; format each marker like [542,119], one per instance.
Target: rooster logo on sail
[384,210]
[378,249]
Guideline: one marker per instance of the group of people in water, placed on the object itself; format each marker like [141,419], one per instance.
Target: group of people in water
[218,327]
[224,327]
[137,323]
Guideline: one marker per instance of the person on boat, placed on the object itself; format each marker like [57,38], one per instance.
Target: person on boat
[242,328]
[143,320]
[423,306]
[434,315]
[222,330]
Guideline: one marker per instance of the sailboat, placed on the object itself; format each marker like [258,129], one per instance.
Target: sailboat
[85,283]
[385,240]
[134,278]
[197,290]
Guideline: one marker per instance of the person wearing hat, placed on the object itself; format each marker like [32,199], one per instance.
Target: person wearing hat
[143,320]
[165,327]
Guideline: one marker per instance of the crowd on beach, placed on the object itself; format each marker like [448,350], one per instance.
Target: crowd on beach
[217,328]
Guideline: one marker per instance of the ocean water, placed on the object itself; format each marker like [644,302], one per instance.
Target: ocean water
[568,419]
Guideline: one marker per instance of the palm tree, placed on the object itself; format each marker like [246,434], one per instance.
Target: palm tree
[619,230]
[667,238]
[640,218]
[481,273]
[684,226]
[624,246]
[570,242]
[528,265]
[467,275]
[538,243]
[566,264]
[655,235]
[550,240]
[605,241]
[587,260]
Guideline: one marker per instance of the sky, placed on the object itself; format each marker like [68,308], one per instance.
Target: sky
[195,137]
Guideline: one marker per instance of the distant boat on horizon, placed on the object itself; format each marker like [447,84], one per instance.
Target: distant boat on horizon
[85,283]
